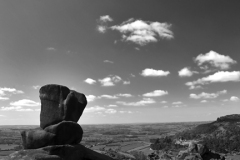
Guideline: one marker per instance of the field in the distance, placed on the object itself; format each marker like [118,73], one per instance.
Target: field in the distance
[122,137]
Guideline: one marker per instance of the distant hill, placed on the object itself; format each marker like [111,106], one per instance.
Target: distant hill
[222,134]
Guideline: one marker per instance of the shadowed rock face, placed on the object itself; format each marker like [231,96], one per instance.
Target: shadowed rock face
[66,132]
[58,103]
[58,152]
[33,139]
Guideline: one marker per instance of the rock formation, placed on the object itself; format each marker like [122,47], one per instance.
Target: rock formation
[60,134]
[197,152]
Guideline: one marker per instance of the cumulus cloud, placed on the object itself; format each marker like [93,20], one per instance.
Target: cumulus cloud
[110,111]
[108,96]
[220,76]
[102,23]
[124,95]
[178,102]
[108,61]
[99,109]
[94,109]
[51,49]
[16,108]
[149,72]
[205,95]
[204,101]
[105,18]
[111,80]
[163,102]
[4,91]
[143,32]
[156,93]
[112,105]
[91,98]
[26,103]
[234,99]
[36,87]
[102,29]
[126,112]
[126,82]
[215,60]
[186,72]
[90,81]
[3,98]
[142,102]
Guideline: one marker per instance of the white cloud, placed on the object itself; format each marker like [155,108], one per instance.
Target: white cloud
[204,95]
[112,105]
[215,59]
[3,98]
[220,76]
[16,108]
[143,32]
[126,112]
[36,87]
[179,102]
[155,93]
[132,75]
[154,73]
[4,91]
[178,106]
[165,106]
[126,82]
[124,95]
[102,29]
[225,100]
[94,109]
[25,102]
[111,80]
[142,102]
[111,111]
[105,18]
[91,98]
[186,72]
[51,49]
[234,99]
[90,81]
[108,96]
[163,102]
[108,61]
[204,101]
[2,116]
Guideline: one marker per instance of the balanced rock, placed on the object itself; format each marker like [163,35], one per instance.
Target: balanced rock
[58,103]
[66,132]
[33,139]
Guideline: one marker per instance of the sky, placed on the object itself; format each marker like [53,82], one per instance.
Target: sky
[136,61]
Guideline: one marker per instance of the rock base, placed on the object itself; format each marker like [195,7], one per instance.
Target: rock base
[58,152]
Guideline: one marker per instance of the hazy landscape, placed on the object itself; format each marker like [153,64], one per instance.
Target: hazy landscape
[122,137]
[119,79]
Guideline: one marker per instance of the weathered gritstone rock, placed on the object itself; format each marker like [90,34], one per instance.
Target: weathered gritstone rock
[60,134]
[33,139]
[58,103]
[66,132]
[58,152]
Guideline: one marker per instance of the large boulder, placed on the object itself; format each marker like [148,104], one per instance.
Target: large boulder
[66,132]
[58,103]
[58,152]
[33,139]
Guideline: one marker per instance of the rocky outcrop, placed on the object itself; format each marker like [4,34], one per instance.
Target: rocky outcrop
[58,103]
[60,134]
[58,152]
[198,152]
